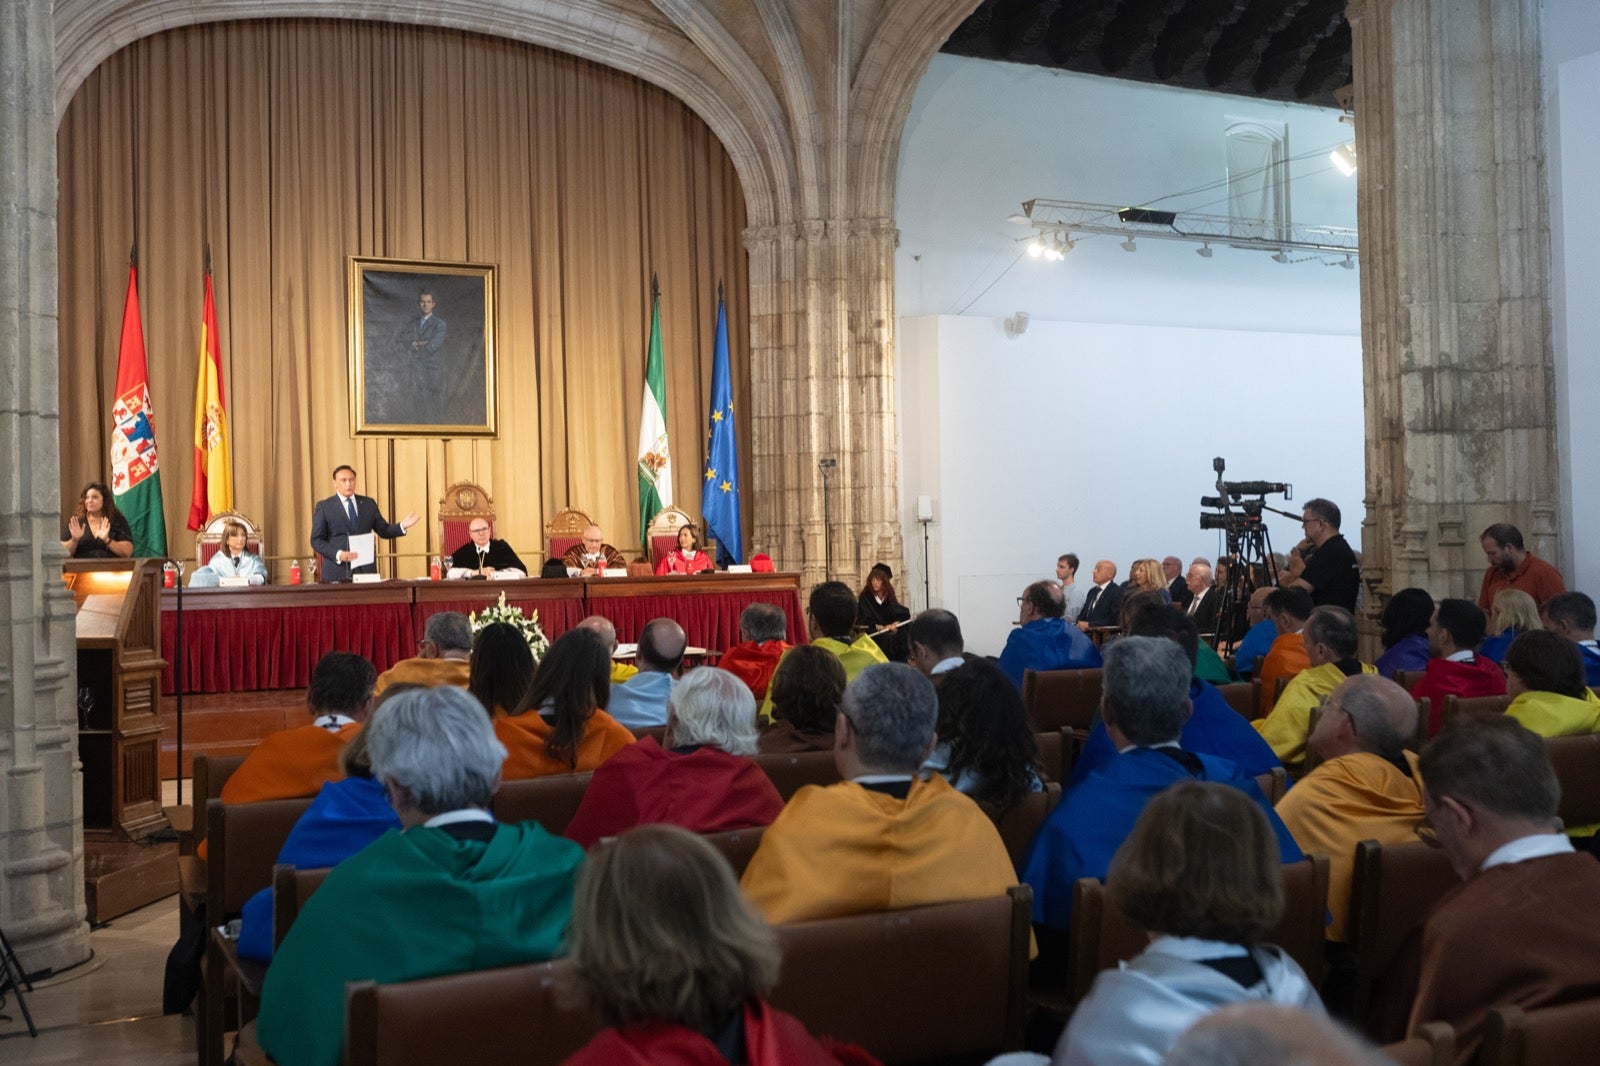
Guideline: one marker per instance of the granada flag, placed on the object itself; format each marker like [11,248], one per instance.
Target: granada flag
[135,472]
[213,457]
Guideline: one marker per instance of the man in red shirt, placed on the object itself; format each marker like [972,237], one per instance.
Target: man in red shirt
[1456,668]
[1513,567]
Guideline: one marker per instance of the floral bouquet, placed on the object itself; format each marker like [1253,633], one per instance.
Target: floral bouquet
[538,643]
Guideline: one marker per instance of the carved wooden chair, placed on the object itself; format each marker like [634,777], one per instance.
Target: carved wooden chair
[460,504]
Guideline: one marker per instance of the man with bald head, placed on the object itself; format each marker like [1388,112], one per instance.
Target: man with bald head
[641,702]
[1365,788]
[620,671]
[1043,640]
[593,555]
[1271,1034]
[1257,640]
[1103,603]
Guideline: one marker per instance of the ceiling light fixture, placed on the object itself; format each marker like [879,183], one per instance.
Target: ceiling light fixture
[1036,247]
[1344,157]
[1280,256]
[1204,251]
[1129,245]
[1349,263]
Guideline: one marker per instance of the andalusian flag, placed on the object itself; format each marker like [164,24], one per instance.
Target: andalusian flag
[213,458]
[655,461]
[719,496]
[135,473]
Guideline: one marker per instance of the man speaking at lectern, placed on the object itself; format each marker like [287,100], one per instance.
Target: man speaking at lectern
[343,515]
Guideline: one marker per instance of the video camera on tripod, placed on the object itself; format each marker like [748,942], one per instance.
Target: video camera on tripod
[1249,548]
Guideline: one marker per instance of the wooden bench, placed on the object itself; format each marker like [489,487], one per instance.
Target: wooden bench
[1020,823]
[552,801]
[1433,1044]
[1548,1036]
[1391,890]
[1062,698]
[791,773]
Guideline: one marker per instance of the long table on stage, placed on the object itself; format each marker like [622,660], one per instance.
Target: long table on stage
[270,637]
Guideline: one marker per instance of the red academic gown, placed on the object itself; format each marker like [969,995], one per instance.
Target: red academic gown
[772,1038]
[1480,677]
[754,664]
[704,791]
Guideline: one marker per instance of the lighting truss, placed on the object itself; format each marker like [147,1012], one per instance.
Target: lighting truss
[1061,220]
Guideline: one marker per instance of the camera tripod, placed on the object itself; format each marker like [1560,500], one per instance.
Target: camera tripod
[13,979]
[1249,554]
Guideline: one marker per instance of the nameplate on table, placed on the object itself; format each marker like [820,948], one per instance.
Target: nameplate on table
[740,568]
[233,583]
[366,579]
[615,571]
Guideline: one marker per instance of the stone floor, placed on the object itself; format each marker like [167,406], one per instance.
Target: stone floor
[108,1010]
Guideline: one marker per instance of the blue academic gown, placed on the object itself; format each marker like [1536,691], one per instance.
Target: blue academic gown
[1213,728]
[1086,829]
[1591,665]
[345,817]
[1256,643]
[1046,644]
[1410,652]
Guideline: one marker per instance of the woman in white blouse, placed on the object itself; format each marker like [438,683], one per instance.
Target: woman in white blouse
[231,560]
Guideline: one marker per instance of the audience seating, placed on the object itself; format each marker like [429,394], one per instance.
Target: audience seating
[1549,1036]
[944,980]
[1392,889]
[1102,937]
[290,890]
[513,1014]
[1454,705]
[1058,698]
[1273,784]
[552,801]
[1020,823]
[209,774]
[1433,1044]
[244,842]
[1277,690]
[1242,696]
[1053,754]
[1407,679]
[791,773]
[659,732]
[1577,763]
[737,845]
[1419,736]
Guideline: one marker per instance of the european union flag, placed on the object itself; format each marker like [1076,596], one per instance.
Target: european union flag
[719,492]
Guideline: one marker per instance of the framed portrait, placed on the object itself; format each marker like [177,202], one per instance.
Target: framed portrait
[422,354]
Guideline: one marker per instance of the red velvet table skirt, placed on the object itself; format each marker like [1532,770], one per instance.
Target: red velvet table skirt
[237,640]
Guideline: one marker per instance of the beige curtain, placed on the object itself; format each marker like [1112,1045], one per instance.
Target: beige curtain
[288,146]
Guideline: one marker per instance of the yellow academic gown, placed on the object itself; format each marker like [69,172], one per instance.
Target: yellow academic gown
[854,658]
[844,849]
[429,672]
[1342,802]
[1285,729]
[620,672]
[1551,714]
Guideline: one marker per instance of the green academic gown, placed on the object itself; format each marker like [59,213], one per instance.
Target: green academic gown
[411,905]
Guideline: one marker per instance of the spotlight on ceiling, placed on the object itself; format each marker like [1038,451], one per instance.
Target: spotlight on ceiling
[1349,263]
[1017,218]
[1036,247]
[1344,157]
[1280,256]
[1129,245]
[1204,251]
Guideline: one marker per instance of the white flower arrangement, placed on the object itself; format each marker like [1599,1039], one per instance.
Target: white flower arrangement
[530,629]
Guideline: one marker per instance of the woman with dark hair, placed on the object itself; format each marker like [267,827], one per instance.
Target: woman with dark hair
[561,726]
[1405,621]
[501,668]
[687,557]
[805,693]
[1545,680]
[877,608]
[1200,874]
[678,963]
[96,529]
[986,746]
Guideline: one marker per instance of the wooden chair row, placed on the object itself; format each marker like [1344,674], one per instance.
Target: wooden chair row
[1549,1036]
[948,979]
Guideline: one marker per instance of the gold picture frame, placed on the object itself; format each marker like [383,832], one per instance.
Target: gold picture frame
[421,348]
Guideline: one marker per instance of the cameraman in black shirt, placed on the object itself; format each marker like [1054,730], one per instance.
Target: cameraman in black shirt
[1329,571]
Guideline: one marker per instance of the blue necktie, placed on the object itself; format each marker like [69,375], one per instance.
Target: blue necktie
[350,510]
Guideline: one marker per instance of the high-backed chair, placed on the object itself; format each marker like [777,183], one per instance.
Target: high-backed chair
[738,846]
[513,1014]
[1577,763]
[1241,696]
[552,801]
[1019,823]
[791,773]
[1273,784]
[1419,736]
[564,531]
[210,773]
[1433,1044]
[243,840]
[209,539]
[1454,705]
[460,504]
[290,890]
[1548,1036]
[945,980]
[1102,937]
[661,535]
[1406,679]
[1391,890]
[1056,698]
[1053,752]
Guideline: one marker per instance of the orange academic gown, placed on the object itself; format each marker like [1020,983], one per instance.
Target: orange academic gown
[296,762]
[526,736]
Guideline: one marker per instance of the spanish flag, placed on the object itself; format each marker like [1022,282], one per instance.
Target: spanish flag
[213,459]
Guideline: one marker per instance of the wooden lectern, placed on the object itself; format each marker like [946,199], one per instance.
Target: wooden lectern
[119,677]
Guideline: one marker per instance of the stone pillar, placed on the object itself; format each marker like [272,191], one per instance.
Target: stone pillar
[822,374]
[1455,262]
[41,819]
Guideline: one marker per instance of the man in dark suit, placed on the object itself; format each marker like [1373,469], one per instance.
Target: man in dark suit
[1177,584]
[426,341]
[1204,599]
[1103,604]
[343,514]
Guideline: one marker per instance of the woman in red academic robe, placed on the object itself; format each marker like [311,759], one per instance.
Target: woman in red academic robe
[687,557]
[662,894]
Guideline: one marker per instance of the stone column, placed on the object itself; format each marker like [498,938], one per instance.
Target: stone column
[41,820]
[1455,261]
